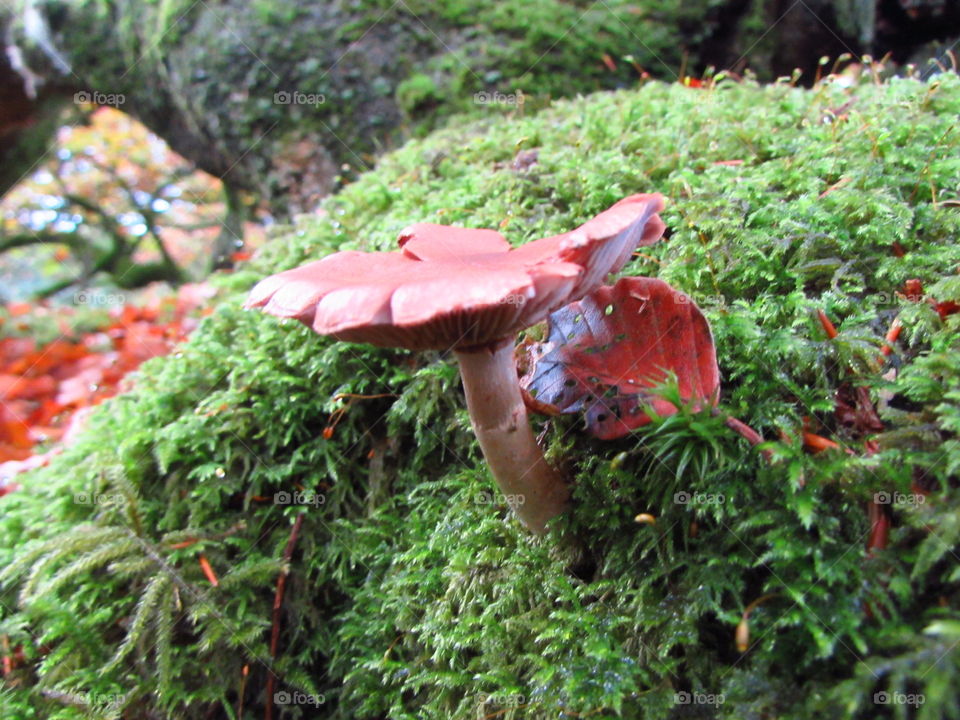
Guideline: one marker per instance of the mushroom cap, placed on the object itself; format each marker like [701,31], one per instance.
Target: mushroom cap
[450,287]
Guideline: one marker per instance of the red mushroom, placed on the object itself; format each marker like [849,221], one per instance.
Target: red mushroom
[467,290]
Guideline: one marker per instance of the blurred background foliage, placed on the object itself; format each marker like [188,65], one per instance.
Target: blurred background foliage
[112,206]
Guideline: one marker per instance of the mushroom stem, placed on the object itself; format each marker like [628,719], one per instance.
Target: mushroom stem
[533,488]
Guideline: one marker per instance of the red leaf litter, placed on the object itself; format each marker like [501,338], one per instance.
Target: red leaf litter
[46,391]
[606,353]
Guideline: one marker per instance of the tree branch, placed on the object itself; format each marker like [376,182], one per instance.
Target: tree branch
[11,242]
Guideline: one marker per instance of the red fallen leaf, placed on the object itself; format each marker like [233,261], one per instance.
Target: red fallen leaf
[125,316]
[692,82]
[11,349]
[605,352]
[44,413]
[12,453]
[50,359]
[144,341]
[76,391]
[241,255]
[13,432]
[18,309]
[14,387]
[18,410]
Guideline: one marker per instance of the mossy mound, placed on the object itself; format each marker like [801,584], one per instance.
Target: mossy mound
[412,593]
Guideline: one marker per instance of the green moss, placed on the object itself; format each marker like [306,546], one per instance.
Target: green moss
[412,592]
[417,94]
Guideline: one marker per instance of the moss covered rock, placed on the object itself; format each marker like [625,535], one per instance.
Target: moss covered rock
[287,100]
[412,592]
[279,98]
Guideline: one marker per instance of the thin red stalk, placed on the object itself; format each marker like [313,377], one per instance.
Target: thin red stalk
[243,690]
[747,433]
[892,334]
[817,443]
[7,659]
[742,635]
[828,326]
[277,605]
[208,570]
[879,527]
